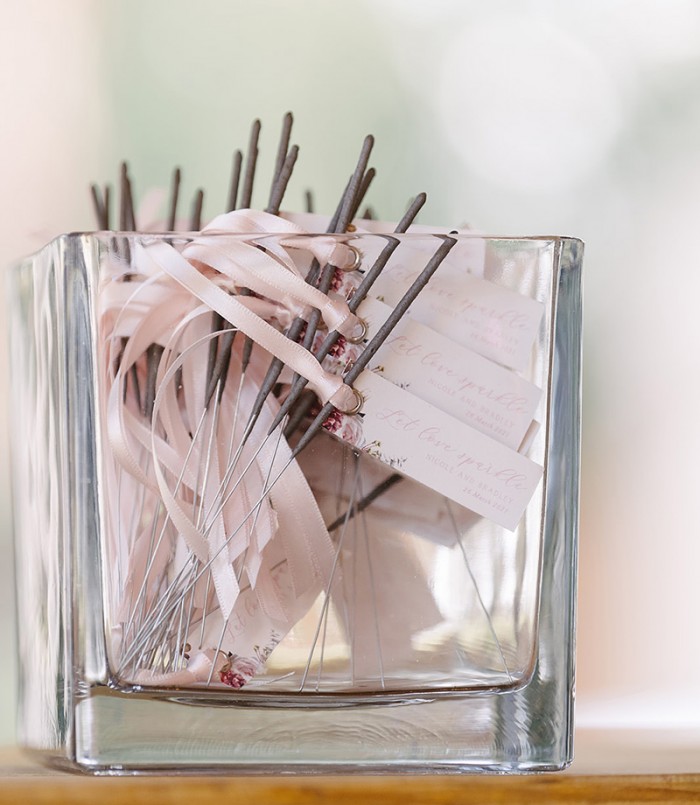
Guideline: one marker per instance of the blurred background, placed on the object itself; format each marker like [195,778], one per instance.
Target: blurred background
[518,116]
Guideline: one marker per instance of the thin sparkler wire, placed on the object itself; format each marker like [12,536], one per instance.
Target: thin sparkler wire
[209,520]
[400,309]
[373,590]
[326,599]
[482,604]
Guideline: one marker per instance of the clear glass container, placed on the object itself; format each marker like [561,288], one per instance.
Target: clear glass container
[407,634]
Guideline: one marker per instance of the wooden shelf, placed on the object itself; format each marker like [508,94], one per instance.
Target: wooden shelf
[610,766]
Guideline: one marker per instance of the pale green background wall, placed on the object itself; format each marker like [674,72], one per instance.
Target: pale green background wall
[521,117]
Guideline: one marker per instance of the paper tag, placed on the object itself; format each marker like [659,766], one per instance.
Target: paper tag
[439,451]
[487,318]
[475,390]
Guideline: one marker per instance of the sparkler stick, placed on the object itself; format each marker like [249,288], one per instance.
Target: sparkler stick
[358,296]
[235,180]
[174,195]
[251,162]
[98,207]
[282,148]
[196,219]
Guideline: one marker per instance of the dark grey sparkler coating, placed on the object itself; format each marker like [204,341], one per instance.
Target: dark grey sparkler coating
[382,334]
[360,293]
[235,180]
[174,195]
[251,162]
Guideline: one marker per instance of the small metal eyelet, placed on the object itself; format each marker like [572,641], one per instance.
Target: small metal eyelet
[360,401]
[357,261]
[364,329]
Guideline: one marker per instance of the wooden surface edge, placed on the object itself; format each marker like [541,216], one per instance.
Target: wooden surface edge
[345,790]
[611,766]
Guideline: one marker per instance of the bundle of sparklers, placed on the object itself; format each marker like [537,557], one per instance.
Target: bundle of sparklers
[235,497]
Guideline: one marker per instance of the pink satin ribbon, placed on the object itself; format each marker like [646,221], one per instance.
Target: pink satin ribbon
[218,516]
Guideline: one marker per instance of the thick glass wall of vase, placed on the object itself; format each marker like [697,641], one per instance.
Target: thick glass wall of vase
[217,572]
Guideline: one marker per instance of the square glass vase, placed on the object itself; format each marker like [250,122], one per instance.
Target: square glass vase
[435,640]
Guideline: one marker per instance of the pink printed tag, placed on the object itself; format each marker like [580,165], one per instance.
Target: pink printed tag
[473,389]
[439,451]
[487,318]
